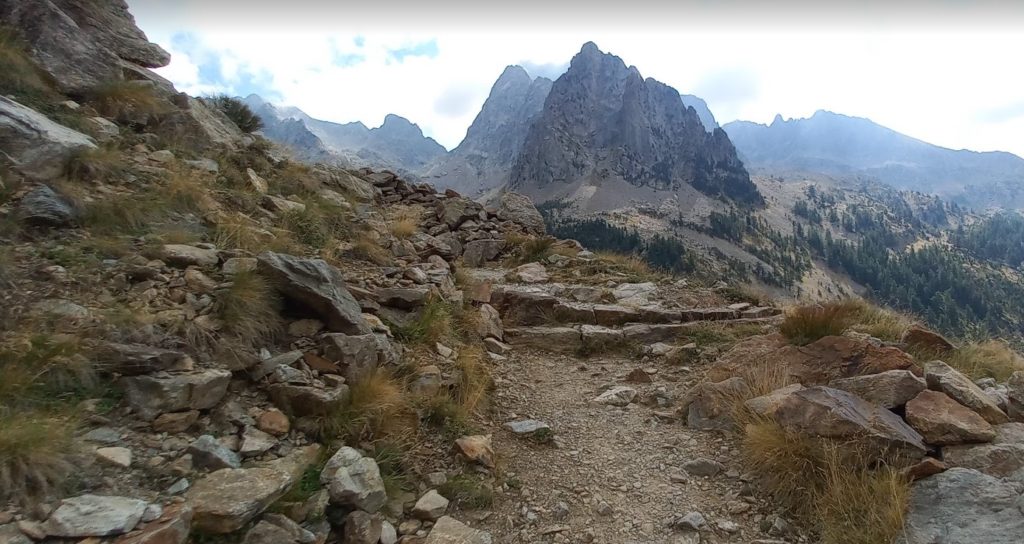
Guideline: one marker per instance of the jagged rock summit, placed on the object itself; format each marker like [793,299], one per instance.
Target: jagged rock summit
[607,134]
[483,159]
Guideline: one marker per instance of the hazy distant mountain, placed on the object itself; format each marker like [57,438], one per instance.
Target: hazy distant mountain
[483,159]
[839,145]
[701,107]
[397,144]
[606,135]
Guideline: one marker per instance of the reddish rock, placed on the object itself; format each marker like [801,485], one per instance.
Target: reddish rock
[943,421]
[476,449]
[274,422]
[928,466]
[175,422]
[942,377]
[171,528]
[320,364]
[637,375]
[926,340]
[708,406]
[886,389]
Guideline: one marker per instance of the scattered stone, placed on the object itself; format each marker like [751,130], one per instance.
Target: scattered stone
[520,210]
[267,533]
[152,395]
[238,265]
[447,530]
[43,207]
[692,521]
[927,341]
[430,506]
[362,528]
[941,420]
[887,389]
[1000,460]
[529,273]
[354,480]
[942,377]
[302,401]
[317,286]
[207,453]
[489,324]
[925,468]
[39,146]
[103,435]
[637,375]
[529,427]
[616,396]
[183,256]
[136,359]
[497,347]
[403,298]
[93,515]
[175,422]
[703,467]
[1015,396]
[273,422]
[259,184]
[255,442]
[388,534]
[477,252]
[226,500]
[118,457]
[476,449]
[708,406]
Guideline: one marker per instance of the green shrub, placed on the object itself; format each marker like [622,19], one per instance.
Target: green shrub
[239,112]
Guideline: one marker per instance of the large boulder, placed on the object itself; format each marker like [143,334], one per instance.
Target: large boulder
[1015,396]
[82,44]
[887,389]
[1002,460]
[135,359]
[942,377]
[152,395]
[454,211]
[94,516]
[318,286]
[43,207]
[520,210]
[927,341]
[477,252]
[709,405]
[39,147]
[226,500]
[354,480]
[831,413]
[942,420]
[448,530]
[963,506]
[172,527]
[302,400]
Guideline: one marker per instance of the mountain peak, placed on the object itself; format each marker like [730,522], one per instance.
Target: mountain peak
[514,72]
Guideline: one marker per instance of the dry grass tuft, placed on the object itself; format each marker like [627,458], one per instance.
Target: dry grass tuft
[120,214]
[987,359]
[368,249]
[19,75]
[434,324]
[35,452]
[184,193]
[95,164]
[378,408]
[318,224]
[250,309]
[405,225]
[474,383]
[127,99]
[851,498]
[631,265]
[806,324]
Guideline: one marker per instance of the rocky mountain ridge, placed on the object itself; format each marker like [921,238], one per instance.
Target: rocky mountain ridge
[841,145]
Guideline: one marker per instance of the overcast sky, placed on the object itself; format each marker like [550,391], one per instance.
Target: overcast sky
[945,71]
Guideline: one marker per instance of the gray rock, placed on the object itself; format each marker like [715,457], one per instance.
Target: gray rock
[362,528]
[529,273]
[152,395]
[237,265]
[267,367]
[38,146]
[1015,396]
[489,325]
[557,339]
[300,400]
[477,252]
[93,515]
[405,299]
[961,506]
[209,454]
[692,521]
[887,389]
[448,530]
[268,533]
[255,442]
[616,396]
[135,359]
[942,377]
[43,207]
[453,211]
[182,256]
[703,467]
[103,435]
[11,534]
[520,210]
[430,506]
[226,500]
[354,480]
[56,307]
[317,286]
[388,534]
[527,426]
[1003,460]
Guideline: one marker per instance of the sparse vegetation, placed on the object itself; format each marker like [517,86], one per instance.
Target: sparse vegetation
[367,248]
[239,112]
[249,309]
[985,359]
[719,335]
[316,225]
[468,491]
[95,164]
[378,408]
[127,100]
[433,324]
[19,76]
[35,454]
[806,324]
[405,225]
[474,381]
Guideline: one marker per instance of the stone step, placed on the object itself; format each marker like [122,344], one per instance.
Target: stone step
[584,337]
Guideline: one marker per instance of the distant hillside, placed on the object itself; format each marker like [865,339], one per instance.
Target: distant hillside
[840,145]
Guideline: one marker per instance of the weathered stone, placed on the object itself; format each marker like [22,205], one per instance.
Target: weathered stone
[928,466]
[207,453]
[447,530]
[823,411]
[282,205]
[453,211]
[258,184]
[887,389]
[152,395]
[766,404]
[520,210]
[362,528]
[226,500]
[317,286]
[703,467]
[557,339]
[93,515]
[477,252]
[927,341]
[430,506]
[43,207]
[496,347]
[268,367]
[610,315]
[427,382]
[708,406]
[1003,460]
[941,420]
[273,422]
[299,400]
[529,273]
[476,449]
[597,339]
[649,334]
[573,312]
[39,147]
[616,396]
[255,442]
[528,427]
[963,506]
[709,314]
[835,357]
[118,457]
[354,480]
[135,359]
[405,299]
[634,294]
[650,314]
[1015,396]
[942,377]
[356,353]
[183,256]
[238,265]
[489,325]
[172,527]
[58,307]
[267,533]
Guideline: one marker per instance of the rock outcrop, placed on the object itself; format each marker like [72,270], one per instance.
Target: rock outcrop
[39,147]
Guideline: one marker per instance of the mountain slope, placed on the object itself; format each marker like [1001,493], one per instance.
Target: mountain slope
[703,111]
[837,144]
[605,129]
[482,161]
[398,143]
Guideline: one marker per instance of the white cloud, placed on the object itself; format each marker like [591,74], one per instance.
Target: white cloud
[937,83]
